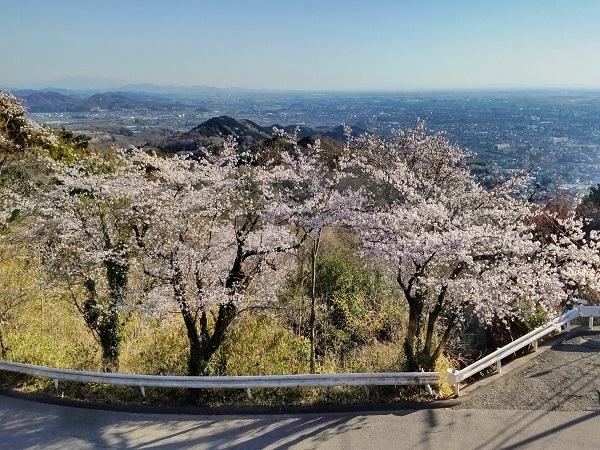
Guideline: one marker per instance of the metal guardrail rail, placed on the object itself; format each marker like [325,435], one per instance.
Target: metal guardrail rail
[455,377]
[227,382]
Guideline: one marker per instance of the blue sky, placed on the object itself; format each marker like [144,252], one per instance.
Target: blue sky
[306,44]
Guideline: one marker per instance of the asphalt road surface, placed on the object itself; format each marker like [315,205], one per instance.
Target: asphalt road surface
[30,425]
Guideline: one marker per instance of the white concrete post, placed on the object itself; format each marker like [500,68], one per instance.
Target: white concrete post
[591,323]
[499,364]
[535,346]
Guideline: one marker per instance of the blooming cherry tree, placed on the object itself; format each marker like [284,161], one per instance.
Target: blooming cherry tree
[207,230]
[454,247]
[85,227]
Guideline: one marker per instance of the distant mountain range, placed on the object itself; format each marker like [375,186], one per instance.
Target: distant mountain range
[78,86]
[185,90]
[47,102]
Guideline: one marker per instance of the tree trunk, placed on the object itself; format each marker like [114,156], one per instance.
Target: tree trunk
[110,339]
[413,335]
[102,315]
[313,301]
[425,357]
[440,347]
[432,319]
[416,304]
[194,366]
[203,344]
[211,343]
[117,273]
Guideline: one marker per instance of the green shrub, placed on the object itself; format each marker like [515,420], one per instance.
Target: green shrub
[356,306]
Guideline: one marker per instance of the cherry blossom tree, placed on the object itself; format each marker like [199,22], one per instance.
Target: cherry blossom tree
[206,233]
[87,242]
[455,248]
[225,223]
[210,235]
[573,249]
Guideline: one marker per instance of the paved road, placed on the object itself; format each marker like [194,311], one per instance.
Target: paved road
[25,424]
[563,378]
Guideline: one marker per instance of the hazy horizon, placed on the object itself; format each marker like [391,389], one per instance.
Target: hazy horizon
[85,84]
[305,46]
[91,84]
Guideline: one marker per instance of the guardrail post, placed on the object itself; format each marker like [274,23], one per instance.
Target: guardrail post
[249,392]
[428,387]
[143,391]
[451,378]
[569,326]
[56,384]
[499,364]
[591,323]
[429,390]
[535,346]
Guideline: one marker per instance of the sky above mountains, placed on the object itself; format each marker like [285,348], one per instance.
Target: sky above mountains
[306,44]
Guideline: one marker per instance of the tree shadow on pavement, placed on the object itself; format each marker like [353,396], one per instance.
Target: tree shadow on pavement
[524,443]
[26,424]
[240,433]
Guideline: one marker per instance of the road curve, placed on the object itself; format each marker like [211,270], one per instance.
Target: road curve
[30,425]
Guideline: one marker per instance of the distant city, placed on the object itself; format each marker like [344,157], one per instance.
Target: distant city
[554,134]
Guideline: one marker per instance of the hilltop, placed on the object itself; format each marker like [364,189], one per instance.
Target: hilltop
[211,134]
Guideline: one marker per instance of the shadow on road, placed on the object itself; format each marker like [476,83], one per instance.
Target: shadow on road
[524,443]
[31,425]
[565,378]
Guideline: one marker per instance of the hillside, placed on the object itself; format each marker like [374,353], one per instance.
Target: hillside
[38,102]
[228,126]
[48,102]
[211,134]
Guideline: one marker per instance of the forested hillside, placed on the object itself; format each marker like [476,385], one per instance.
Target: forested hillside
[292,256]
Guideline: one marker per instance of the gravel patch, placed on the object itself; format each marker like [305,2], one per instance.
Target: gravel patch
[564,378]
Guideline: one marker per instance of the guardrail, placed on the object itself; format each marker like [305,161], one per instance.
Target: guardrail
[311,380]
[227,382]
[455,377]
[589,311]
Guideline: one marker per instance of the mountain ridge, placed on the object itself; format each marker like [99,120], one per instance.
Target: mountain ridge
[52,101]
